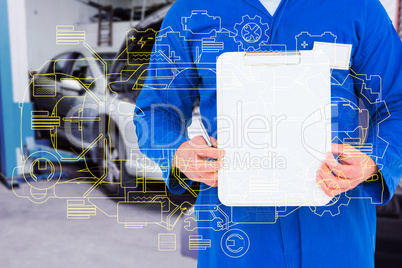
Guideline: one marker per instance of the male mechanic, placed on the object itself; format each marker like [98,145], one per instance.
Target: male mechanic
[304,238]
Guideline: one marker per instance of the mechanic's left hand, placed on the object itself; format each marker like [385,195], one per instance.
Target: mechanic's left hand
[354,168]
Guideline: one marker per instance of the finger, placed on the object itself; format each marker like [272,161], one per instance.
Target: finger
[337,148]
[325,171]
[368,162]
[330,160]
[208,166]
[330,184]
[350,154]
[340,170]
[327,190]
[337,186]
[335,192]
[344,172]
[351,158]
[356,165]
[210,152]
[214,142]
[350,172]
[209,178]
[335,182]
[198,142]
[347,159]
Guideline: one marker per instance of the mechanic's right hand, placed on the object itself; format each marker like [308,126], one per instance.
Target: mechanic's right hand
[191,158]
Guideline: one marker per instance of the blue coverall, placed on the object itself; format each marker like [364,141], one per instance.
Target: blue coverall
[194,33]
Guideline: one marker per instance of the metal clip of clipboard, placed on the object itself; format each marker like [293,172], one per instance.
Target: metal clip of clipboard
[273,58]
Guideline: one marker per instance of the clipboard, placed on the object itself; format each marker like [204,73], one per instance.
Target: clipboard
[274,122]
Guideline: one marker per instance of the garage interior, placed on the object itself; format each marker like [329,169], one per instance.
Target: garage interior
[54,211]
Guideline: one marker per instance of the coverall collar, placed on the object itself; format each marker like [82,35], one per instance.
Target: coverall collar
[257,4]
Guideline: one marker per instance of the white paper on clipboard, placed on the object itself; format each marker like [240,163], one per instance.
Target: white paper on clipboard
[274,121]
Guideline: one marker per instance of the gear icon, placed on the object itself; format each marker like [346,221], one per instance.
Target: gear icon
[251,33]
[333,207]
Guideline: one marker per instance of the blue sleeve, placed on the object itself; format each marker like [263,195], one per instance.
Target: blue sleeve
[380,53]
[164,106]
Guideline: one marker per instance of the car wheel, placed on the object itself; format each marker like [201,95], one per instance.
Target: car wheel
[109,159]
[111,166]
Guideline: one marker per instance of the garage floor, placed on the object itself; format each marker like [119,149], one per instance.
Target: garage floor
[40,235]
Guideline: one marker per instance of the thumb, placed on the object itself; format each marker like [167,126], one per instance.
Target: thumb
[214,142]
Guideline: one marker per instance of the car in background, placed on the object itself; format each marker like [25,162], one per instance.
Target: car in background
[126,79]
[84,102]
[63,75]
[71,106]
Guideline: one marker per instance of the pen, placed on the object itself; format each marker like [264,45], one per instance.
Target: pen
[205,134]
